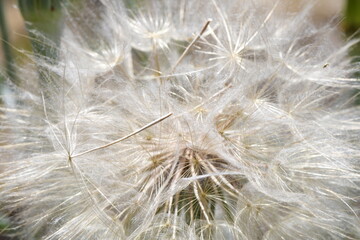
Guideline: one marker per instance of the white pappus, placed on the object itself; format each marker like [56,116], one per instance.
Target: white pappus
[186,120]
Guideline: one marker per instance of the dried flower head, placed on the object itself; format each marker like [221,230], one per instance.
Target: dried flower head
[186,120]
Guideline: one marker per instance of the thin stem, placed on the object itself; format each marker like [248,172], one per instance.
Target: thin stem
[191,44]
[126,137]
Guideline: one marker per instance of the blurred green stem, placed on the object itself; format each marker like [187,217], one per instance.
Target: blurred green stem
[353,14]
[44,24]
[9,60]
[352,22]
[352,25]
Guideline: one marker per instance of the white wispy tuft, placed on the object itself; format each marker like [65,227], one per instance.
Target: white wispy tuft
[186,120]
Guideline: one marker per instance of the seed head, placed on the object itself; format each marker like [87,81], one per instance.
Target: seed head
[186,120]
